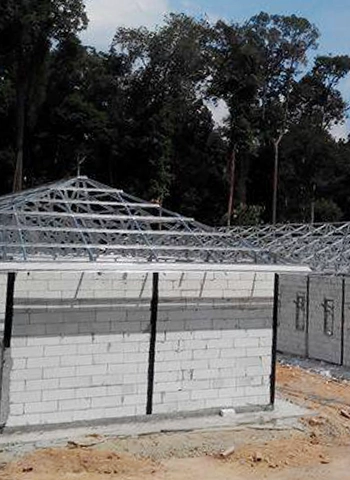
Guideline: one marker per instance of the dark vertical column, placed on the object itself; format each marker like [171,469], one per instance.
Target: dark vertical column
[307,317]
[342,331]
[152,344]
[274,341]
[11,278]
[6,343]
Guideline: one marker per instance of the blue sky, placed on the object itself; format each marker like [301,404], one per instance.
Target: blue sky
[332,17]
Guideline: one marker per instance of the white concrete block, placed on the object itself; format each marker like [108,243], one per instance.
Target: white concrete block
[42,341]
[204,394]
[91,392]
[76,382]
[258,351]
[40,407]
[18,386]
[256,391]
[19,342]
[91,370]
[19,363]
[90,414]
[75,360]
[231,392]
[43,362]
[166,387]
[41,385]
[60,394]
[108,358]
[27,374]
[92,348]
[56,417]
[137,400]
[233,353]
[135,358]
[75,339]
[26,352]
[207,354]
[100,402]
[18,421]
[246,342]
[134,378]
[209,334]
[74,405]
[27,397]
[16,409]
[59,372]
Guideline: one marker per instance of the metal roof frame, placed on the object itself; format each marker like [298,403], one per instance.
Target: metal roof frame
[325,247]
[82,220]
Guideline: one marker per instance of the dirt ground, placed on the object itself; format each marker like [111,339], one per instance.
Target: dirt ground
[318,448]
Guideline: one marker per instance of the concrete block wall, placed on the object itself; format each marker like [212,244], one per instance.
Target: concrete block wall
[79,361]
[215,351]
[290,339]
[325,294]
[347,323]
[321,345]
[80,288]
[80,344]
[3,289]
[204,361]
[220,285]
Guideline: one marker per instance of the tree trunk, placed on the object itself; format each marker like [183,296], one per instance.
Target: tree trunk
[20,123]
[312,219]
[232,171]
[242,179]
[276,144]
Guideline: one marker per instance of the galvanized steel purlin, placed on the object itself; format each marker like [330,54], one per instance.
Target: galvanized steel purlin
[325,247]
[85,220]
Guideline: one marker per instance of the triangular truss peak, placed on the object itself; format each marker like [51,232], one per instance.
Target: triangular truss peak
[325,247]
[81,219]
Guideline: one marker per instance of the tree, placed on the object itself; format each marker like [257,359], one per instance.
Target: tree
[28,30]
[137,117]
[309,155]
[7,103]
[81,118]
[168,68]
[284,42]
[236,65]
[316,97]
[308,165]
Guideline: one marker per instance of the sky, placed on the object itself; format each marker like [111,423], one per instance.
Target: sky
[332,17]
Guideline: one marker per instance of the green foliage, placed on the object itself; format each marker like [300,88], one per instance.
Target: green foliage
[138,116]
[28,30]
[327,211]
[248,215]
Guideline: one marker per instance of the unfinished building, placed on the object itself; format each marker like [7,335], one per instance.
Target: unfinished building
[116,307]
[313,313]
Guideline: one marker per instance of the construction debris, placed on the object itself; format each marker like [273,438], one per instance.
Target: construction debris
[228,452]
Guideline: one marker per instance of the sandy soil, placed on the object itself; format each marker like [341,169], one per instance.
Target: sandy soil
[318,449]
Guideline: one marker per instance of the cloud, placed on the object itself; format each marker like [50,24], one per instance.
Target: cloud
[340,131]
[219,111]
[106,15]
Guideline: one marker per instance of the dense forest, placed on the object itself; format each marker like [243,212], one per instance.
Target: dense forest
[140,116]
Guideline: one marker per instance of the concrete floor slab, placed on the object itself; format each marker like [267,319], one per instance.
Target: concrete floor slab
[283,416]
